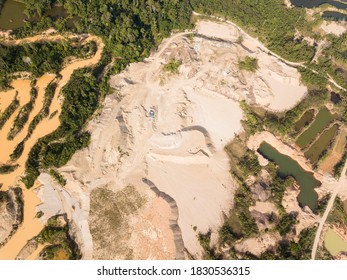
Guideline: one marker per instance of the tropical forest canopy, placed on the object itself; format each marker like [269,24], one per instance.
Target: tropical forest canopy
[130,30]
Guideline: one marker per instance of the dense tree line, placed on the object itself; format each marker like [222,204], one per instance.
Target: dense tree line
[291,250]
[57,236]
[129,28]
[81,99]
[36,58]
[6,168]
[7,113]
[270,20]
[23,115]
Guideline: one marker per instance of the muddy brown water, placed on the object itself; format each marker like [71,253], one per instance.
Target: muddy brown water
[31,225]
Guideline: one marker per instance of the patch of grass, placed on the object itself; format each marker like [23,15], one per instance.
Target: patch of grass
[338,214]
[249,64]
[108,218]
[321,146]
[304,121]
[173,66]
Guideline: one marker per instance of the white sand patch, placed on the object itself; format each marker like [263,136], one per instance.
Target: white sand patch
[69,200]
[219,116]
[264,207]
[218,30]
[258,245]
[202,192]
[333,27]
[275,85]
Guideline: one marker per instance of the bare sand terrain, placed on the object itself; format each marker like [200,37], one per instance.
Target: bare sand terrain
[258,245]
[333,27]
[31,226]
[275,86]
[165,133]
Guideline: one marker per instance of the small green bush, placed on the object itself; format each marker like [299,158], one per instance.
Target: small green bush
[249,64]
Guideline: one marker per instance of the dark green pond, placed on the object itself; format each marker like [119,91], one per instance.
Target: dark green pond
[335,97]
[323,118]
[12,15]
[336,16]
[317,3]
[289,167]
[305,120]
[317,149]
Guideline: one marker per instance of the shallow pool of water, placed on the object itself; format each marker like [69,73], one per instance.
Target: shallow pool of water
[335,97]
[289,167]
[334,243]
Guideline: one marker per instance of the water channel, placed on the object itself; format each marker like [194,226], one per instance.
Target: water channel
[316,3]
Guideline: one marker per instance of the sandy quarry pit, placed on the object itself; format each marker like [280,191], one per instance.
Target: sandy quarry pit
[178,155]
